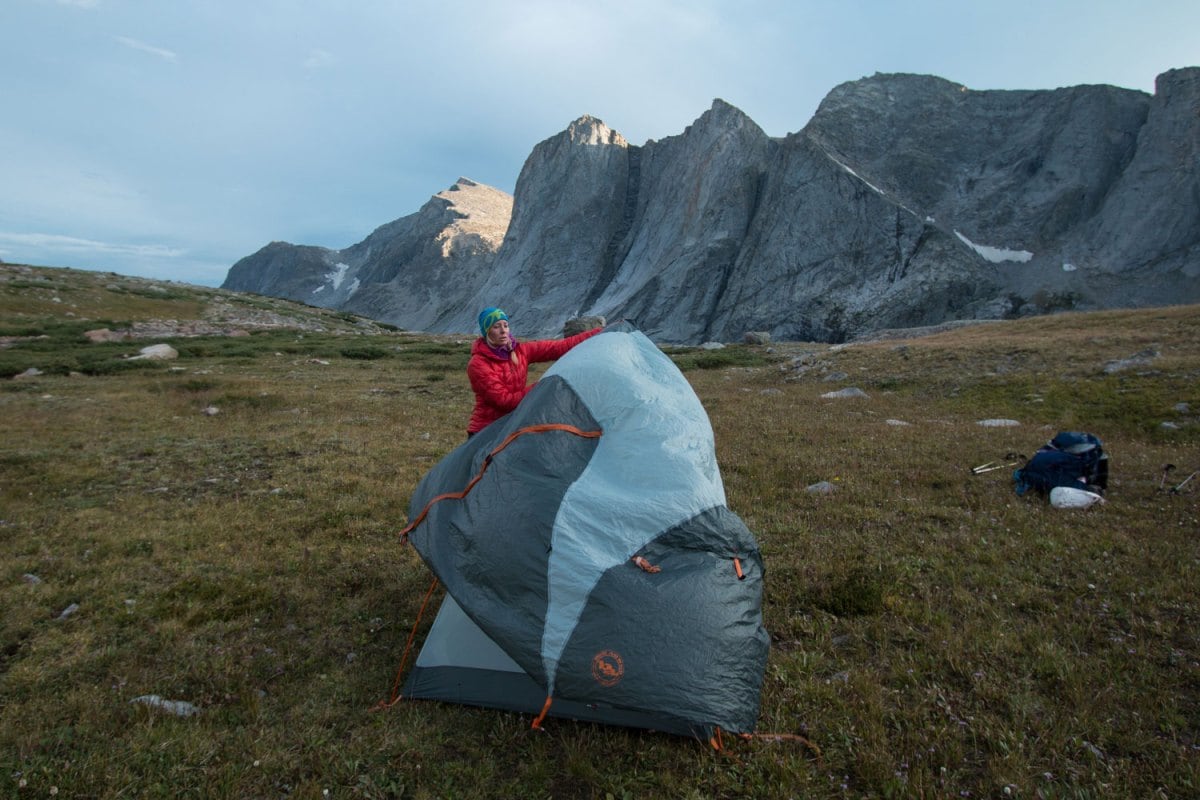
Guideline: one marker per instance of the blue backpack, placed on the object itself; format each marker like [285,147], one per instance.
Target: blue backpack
[1070,459]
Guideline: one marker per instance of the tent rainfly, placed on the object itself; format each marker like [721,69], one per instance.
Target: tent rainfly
[592,567]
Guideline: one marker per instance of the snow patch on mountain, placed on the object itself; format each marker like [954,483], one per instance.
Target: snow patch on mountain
[334,280]
[996,255]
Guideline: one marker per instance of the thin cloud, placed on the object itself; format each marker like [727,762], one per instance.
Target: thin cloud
[318,58]
[134,44]
[71,244]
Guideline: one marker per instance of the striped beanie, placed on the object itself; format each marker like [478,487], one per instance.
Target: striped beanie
[489,317]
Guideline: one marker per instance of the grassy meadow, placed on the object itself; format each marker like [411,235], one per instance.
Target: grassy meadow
[225,526]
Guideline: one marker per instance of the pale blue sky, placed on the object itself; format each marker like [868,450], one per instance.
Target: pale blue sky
[170,138]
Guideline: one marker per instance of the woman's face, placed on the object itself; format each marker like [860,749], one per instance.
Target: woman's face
[497,335]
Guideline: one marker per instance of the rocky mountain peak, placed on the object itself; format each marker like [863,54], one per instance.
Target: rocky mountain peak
[481,210]
[722,116]
[1183,83]
[882,90]
[587,130]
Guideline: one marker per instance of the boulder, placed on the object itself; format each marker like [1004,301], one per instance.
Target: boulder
[157,352]
[844,394]
[577,325]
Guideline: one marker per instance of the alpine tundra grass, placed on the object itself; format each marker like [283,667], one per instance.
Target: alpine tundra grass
[221,529]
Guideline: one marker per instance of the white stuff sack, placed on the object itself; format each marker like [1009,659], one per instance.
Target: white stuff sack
[1070,497]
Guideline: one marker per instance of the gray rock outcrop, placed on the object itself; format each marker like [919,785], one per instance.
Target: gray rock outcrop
[1146,236]
[691,204]
[906,201]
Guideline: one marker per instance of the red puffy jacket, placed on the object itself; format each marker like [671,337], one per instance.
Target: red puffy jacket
[499,383]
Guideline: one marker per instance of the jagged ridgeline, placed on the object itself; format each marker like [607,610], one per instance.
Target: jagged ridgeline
[907,200]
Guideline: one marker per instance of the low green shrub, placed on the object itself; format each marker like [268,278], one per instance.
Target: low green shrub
[729,356]
[364,352]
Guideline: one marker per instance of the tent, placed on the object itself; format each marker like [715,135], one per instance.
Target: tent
[593,570]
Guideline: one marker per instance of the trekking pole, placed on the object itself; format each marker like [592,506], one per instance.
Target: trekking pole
[1162,482]
[1185,480]
[992,466]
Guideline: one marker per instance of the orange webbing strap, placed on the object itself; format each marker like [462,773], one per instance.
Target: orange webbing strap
[537,723]
[718,744]
[783,737]
[737,567]
[645,565]
[395,697]
[543,428]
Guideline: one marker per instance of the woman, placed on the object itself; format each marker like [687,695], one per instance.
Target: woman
[499,366]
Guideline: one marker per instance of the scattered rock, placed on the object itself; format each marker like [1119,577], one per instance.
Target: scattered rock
[210,411]
[180,708]
[834,377]
[69,610]
[822,487]
[32,372]
[31,579]
[898,423]
[9,341]
[1183,408]
[1141,359]
[756,337]
[998,423]
[712,346]
[1169,426]
[105,335]
[848,392]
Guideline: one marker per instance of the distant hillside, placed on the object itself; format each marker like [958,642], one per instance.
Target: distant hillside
[147,308]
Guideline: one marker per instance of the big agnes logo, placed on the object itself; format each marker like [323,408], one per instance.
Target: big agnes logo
[607,667]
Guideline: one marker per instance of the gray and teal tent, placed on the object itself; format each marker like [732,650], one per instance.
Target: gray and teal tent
[534,524]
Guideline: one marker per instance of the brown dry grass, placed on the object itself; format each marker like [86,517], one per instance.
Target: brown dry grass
[933,634]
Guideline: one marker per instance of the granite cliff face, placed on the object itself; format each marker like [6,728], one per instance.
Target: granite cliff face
[569,203]
[1146,235]
[907,200]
